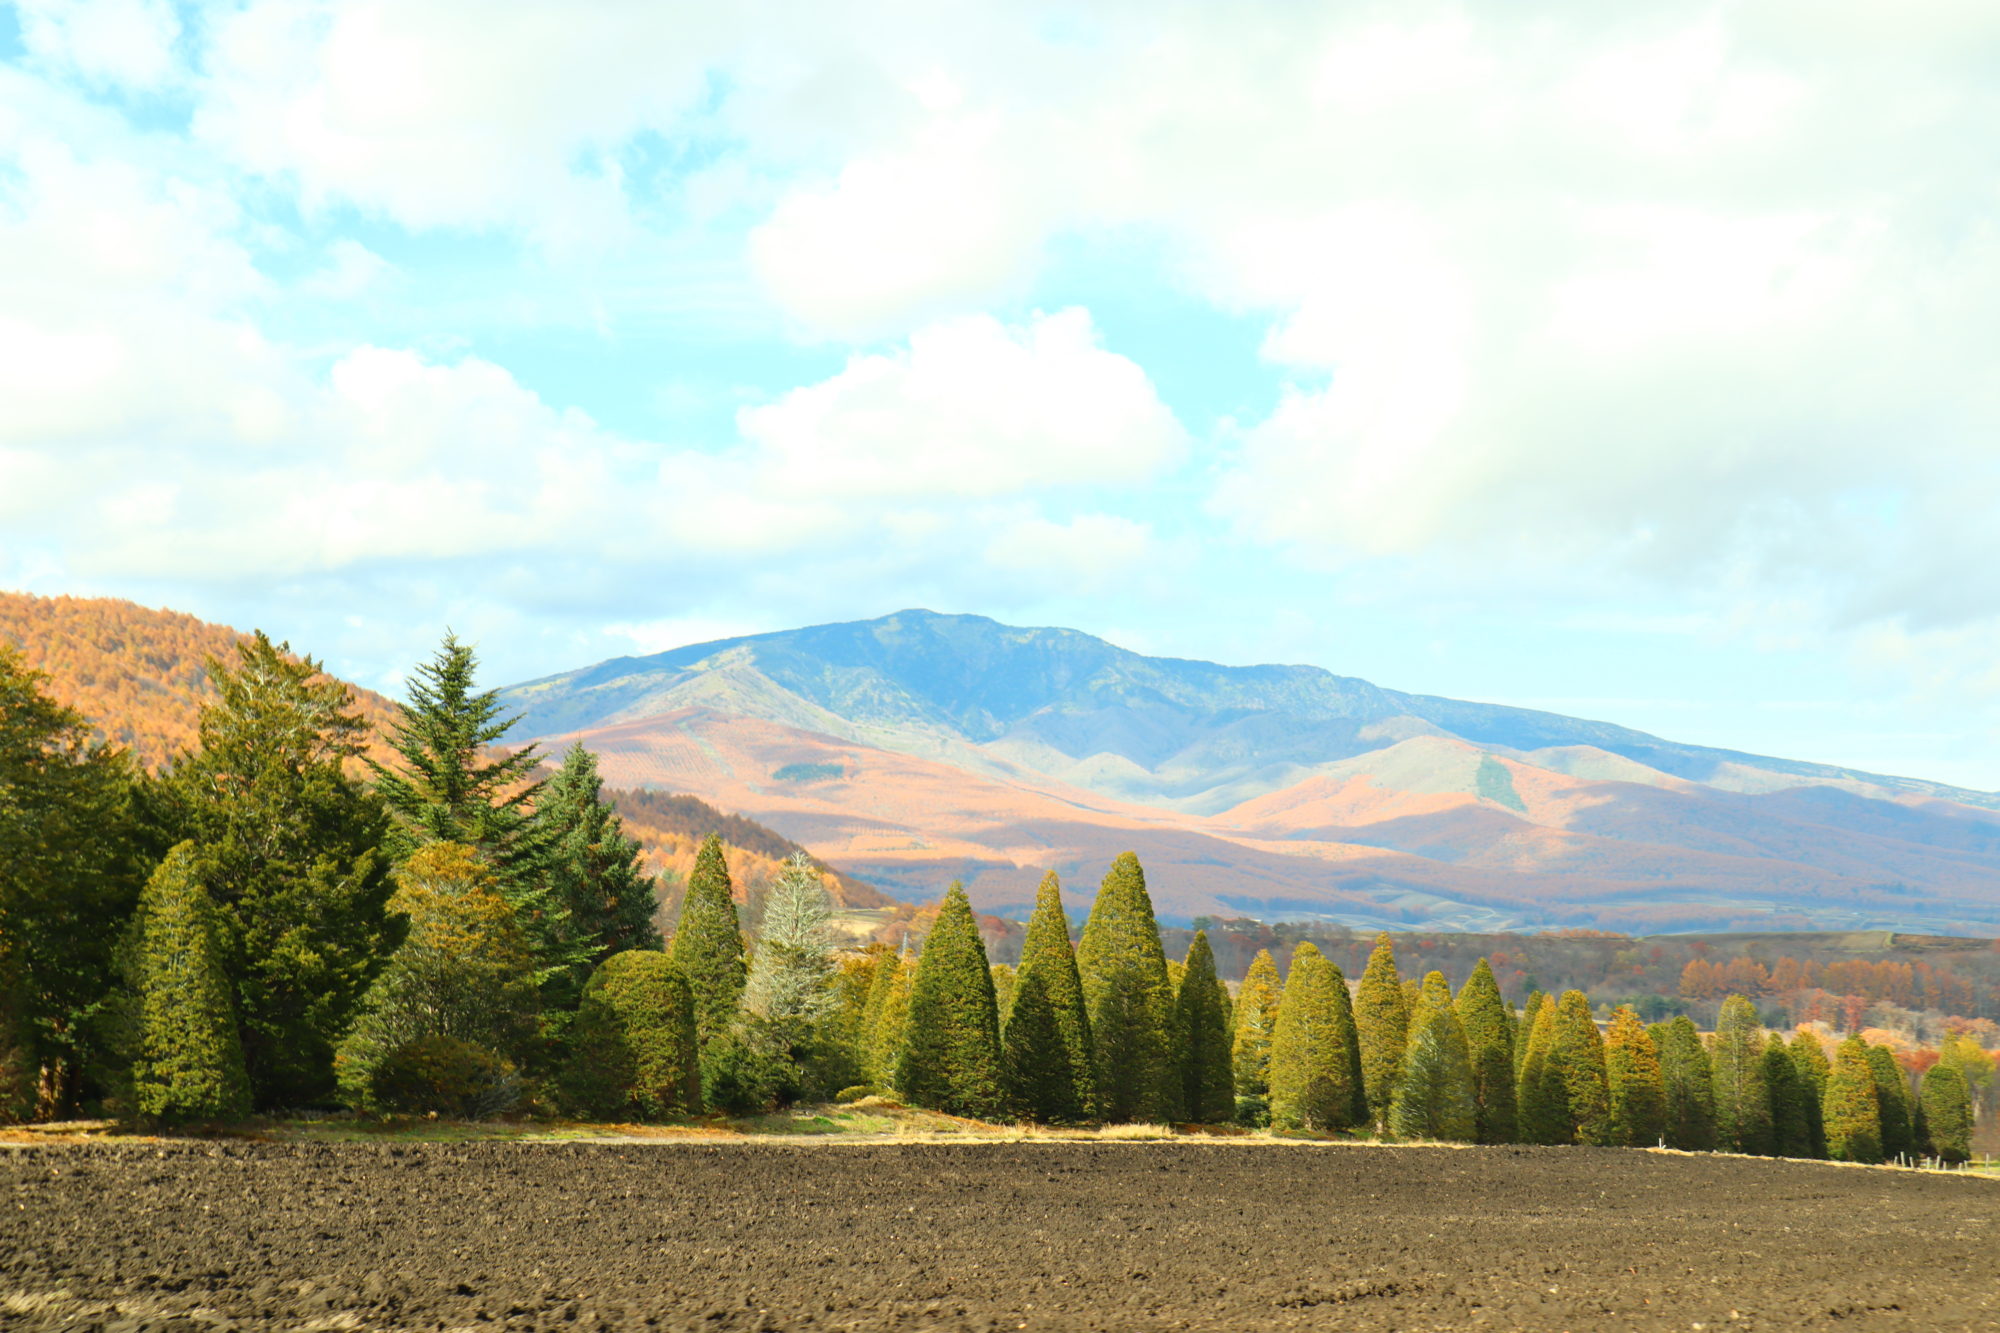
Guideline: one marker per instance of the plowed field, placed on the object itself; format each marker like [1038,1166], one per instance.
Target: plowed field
[985,1236]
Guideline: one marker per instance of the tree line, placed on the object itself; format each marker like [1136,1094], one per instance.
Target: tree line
[274,923]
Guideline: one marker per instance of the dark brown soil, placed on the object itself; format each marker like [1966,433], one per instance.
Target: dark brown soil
[985,1236]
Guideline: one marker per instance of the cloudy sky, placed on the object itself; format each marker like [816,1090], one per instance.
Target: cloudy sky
[1636,361]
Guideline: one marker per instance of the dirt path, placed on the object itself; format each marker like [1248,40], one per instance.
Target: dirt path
[988,1236]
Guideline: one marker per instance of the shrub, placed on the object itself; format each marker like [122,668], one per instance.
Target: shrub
[848,1096]
[439,1075]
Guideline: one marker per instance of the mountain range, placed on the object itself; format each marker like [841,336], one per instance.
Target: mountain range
[919,747]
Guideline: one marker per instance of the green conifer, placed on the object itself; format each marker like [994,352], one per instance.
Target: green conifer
[1434,1089]
[1382,1017]
[1208,1084]
[1809,1059]
[1576,1066]
[189,1063]
[1791,1125]
[708,943]
[1130,1000]
[1525,1027]
[1636,1084]
[1539,1097]
[1946,1100]
[951,1047]
[1046,949]
[892,1024]
[1852,1111]
[1690,1086]
[1006,980]
[1256,1021]
[594,872]
[1742,1102]
[1489,1040]
[1895,1112]
[1315,1066]
[633,1053]
[1034,1066]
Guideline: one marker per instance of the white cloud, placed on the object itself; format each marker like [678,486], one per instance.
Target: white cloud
[125,42]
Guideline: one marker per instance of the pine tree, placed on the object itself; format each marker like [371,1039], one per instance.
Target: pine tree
[1035,1071]
[1539,1096]
[1382,1017]
[290,857]
[1791,1127]
[1208,1084]
[632,1047]
[606,899]
[1434,1097]
[1690,1086]
[1256,1021]
[1742,1102]
[1894,1110]
[951,1050]
[1946,1099]
[1315,1069]
[1576,1067]
[1852,1111]
[1490,1044]
[189,1062]
[1809,1058]
[1636,1084]
[1046,949]
[1130,1000]
[708,943]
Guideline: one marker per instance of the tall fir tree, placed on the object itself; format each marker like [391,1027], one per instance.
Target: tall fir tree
[873,1068]
[1035,1072]
[1791,1124]
[1742,1102]
[1637,1087]
[1434,1093]
[1489,1038]
[951,1053]
[1852,1111]
[1524,1028]
[290,857]
[1894,1111]
[1539,1096]
[1576,1067]
[1946,1100]
[1208,1084]
[791,974]
[892,1025]
[1809,1058]
[708,943]
[1315,1068]
[1382,1017]
[1690,1086]
[1006,981]
[1256,1021]
[1130,1000]
[188,1063]
[1046,949]
[605,898]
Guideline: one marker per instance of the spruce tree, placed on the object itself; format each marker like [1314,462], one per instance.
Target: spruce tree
[1742,1102]
[1690,1086]
[1809,1059]
[875,1068]
[708,943]
[632,1047]
[1946,1099]
[1791,1125]
[1129,999]
[1208,1084]
[1852,1111]
[790,980]
[1576,1068]
[1256,1021]
[951,1050]
[188,1061]
[1046,949]
[1490,1044]
[1035,1071]
[1637,1087]
[1315,1066]
[605,898]
[1539,1097]
[1434,1092]
[1382,1017]
[1895,1112]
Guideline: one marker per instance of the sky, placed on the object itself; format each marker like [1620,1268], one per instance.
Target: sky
[1633,361]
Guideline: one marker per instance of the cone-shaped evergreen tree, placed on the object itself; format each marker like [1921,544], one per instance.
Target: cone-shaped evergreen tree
[1539,1096]
[1130,1000]
[708,943]
[189,1063]
[1201,1018]
[1256,1021]
[1046,949]
[1576,1066]
[1791,1126]
[1895,1114]
[1489,1039]
[593,871]
[951,1046]
[1434,1091]
[1034,1063]
[1315,1068]
[1525,1028]
[1809,1058]
[1742,1102]
[1637,1087]
[868,1053]
[1946,1100]
[1690,1086]
[1852,1111]
[892,1024]
[1382,1018]
[632,1046]
[1006,980]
